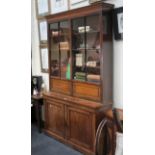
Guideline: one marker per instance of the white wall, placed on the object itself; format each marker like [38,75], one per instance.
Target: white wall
[118,58]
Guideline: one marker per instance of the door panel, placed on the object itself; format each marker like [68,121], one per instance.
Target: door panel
[56,118]
[80,127]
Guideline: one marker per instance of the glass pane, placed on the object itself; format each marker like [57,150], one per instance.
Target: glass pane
[93,65]
[78,33]
[54,33]
[92,32]
[78,49]
[93,48]
[65,49]
[79,65]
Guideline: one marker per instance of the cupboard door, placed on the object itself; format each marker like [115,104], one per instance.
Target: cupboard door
[55,118]
[86,48]
[60,50]
[54,43]
[80,131]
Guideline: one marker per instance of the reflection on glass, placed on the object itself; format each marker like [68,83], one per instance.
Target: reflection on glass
[93,65]
[79,65]
[78,49]
[54,33]
[86,48]
[92,32]
[78,35]
[93,49]
[65,49]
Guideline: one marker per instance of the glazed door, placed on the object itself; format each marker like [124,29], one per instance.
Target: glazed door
[55,118]
[86,48]
[80,129]
[60,50]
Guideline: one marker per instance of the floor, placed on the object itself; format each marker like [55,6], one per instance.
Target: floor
[42,144]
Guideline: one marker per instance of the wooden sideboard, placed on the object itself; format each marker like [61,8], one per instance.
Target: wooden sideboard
[72,120]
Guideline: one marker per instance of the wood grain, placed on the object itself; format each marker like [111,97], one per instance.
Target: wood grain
[55,118]
[63,86]
[87,91]
[72,121]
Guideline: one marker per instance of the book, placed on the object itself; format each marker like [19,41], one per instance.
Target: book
[93,77]
[79,60]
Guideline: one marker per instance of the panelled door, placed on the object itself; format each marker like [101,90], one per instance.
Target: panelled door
[55,118]
[80,127]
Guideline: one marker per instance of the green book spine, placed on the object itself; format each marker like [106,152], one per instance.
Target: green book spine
[68,72]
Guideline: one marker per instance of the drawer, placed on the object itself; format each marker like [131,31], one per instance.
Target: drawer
[87,91]
[62,86]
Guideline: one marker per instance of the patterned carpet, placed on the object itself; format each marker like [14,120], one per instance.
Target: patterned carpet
[42,144]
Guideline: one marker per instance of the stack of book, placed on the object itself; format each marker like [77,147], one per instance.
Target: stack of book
[91,64]
[82,29]
[80,76]
[93,78]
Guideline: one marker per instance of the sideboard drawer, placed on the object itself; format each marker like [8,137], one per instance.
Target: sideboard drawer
[62,86]
[87,91]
